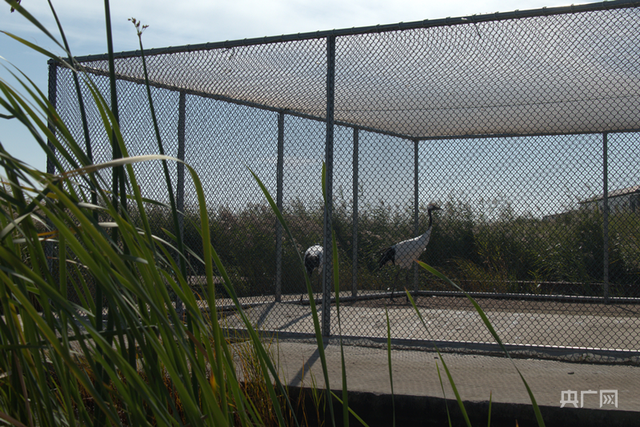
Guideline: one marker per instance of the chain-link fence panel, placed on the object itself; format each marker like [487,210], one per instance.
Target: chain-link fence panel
[222,149]
[500,149]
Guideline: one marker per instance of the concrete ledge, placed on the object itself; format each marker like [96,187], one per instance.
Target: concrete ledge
[377,411]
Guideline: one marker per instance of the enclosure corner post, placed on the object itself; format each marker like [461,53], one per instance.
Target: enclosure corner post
[354,283]
[279,191]
[328,265]
[605,217]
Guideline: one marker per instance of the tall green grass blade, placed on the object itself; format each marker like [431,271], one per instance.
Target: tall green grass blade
[393,398]
[156,128]
[22,11]
[34,46]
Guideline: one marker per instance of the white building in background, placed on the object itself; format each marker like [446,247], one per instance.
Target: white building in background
[624,199]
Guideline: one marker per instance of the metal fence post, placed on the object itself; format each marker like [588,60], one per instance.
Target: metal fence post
[279,190]
[416,207]
[328,252]
[53,89]
[182,119]
[51,169]
[605,216]
[182,113]
[354,283]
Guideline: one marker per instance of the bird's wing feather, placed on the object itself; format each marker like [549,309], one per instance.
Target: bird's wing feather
[388,255]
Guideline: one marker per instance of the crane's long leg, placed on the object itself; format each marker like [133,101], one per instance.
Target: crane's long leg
[406,280]
[312,290]
[304,290]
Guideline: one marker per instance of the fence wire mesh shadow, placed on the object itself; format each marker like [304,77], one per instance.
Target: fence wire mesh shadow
[523,127]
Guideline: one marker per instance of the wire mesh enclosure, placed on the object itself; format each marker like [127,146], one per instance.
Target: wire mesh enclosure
[522,127]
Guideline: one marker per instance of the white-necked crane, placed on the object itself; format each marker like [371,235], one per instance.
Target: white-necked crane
[403,254]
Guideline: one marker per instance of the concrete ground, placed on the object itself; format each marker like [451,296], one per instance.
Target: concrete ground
[568,393]
[533,328]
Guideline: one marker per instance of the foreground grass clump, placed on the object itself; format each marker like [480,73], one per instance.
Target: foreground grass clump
[122,354]
[132,347]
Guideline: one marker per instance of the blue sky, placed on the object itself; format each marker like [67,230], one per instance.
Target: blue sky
[174,23]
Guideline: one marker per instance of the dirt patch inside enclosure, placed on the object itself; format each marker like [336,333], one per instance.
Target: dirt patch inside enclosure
[506,305]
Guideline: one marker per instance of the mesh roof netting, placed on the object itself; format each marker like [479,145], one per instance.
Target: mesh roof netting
[540,74]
